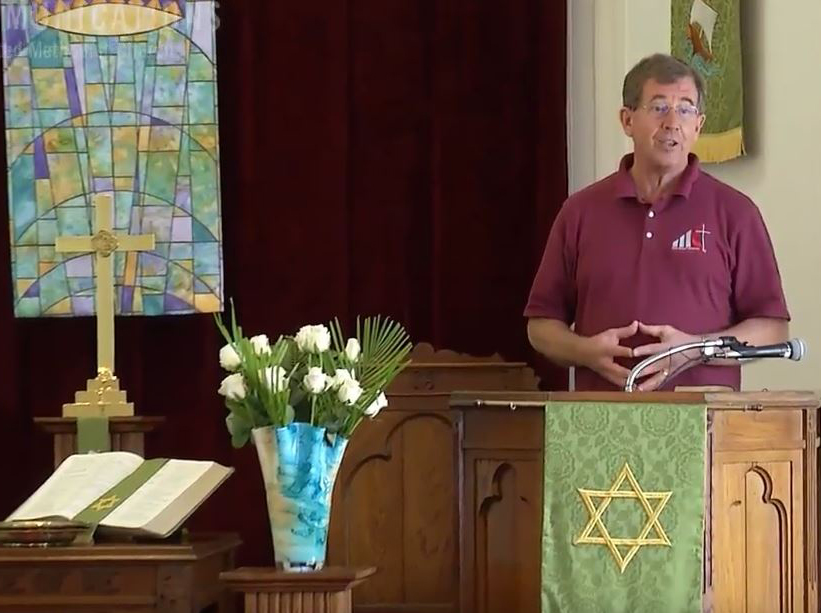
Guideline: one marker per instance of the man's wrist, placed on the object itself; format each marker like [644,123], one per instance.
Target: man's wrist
[581,351]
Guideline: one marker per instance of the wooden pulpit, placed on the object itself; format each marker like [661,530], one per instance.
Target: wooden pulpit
[762,497]
[443,492]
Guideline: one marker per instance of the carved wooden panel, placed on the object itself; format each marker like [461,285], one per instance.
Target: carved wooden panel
[758,529]
[396,508]
[758,522]
[502,535]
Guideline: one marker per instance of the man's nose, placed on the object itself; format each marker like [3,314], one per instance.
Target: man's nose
[671,123]
[671,120]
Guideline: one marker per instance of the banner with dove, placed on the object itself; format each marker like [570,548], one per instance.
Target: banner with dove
[707,35]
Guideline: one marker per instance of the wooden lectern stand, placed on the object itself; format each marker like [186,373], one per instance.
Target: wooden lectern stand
[763,497]
[127,433]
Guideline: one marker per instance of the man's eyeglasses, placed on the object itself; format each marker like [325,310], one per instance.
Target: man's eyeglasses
[659,110]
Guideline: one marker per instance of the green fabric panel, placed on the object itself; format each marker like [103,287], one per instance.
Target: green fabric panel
[721,67]
[98,510]
[587,446]
[93,434]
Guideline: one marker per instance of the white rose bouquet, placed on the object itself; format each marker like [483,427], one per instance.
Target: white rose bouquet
[316,376]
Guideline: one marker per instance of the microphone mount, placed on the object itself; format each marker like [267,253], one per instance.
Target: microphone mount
[709,348]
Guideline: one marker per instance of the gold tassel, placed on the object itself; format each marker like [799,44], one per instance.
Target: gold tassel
[720,147]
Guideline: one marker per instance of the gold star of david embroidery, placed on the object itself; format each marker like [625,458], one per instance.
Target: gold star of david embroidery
[607,497]
[105,503]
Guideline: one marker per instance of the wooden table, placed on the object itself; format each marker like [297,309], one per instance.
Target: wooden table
[132,578]
[272,591]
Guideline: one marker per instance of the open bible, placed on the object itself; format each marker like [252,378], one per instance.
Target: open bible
[124,493]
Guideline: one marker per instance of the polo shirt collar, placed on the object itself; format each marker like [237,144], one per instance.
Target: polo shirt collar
[626,187]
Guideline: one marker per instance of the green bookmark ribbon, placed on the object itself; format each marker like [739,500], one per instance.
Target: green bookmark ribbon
[93,434]
[98,510]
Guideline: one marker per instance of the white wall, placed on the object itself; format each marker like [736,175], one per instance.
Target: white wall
[782,171]
[605,38]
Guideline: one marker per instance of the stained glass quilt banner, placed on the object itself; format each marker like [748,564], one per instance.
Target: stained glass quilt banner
[113,97]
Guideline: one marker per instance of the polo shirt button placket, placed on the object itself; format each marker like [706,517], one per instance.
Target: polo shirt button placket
[649,234]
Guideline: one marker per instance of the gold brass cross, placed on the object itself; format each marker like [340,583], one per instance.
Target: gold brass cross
[103,397]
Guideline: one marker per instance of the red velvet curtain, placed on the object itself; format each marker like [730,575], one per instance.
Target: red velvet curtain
[396,157]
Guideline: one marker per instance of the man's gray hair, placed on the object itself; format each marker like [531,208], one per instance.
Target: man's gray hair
[664,69]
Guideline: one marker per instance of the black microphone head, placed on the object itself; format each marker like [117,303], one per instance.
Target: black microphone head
[797,349]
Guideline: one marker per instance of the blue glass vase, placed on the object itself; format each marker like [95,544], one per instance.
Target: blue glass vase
[299,466]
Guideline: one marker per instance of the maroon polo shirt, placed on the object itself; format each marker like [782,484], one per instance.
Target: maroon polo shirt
[700,260]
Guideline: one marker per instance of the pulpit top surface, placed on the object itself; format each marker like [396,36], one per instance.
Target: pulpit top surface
[726,400]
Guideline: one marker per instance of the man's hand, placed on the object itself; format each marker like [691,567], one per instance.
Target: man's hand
[601,349]
[668,337]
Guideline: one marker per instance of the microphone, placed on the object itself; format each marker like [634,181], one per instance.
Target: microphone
[791,350]
[722,347]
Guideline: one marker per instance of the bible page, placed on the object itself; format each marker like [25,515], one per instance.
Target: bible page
[78,481]
[156,494]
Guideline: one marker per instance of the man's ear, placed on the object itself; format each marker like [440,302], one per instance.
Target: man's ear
[626,120]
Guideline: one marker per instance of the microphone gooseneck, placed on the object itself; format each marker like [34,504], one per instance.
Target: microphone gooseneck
[725,347]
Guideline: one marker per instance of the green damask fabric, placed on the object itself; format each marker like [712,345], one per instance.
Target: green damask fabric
[587,446]
[706,34]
